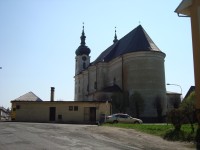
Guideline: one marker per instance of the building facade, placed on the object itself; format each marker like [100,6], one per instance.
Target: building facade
[30,108]
[132,64]
[191,8]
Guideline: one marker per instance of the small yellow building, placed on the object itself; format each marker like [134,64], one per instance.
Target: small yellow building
[191,8]
[30,108]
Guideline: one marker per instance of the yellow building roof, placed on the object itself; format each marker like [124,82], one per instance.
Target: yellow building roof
[184,7]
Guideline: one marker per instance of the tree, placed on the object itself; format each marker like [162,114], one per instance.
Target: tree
[126,99]
[117,102]
[175,101]
[136,104]
[159,107]
[120,102]
[188,108]
[175,116]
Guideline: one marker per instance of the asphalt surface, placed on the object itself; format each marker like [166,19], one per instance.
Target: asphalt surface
[44,136]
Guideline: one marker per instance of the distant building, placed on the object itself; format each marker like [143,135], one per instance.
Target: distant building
[132,64]
[4,114]
[191,89]
[173,100]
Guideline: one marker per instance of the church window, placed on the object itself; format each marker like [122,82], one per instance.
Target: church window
[84,58]
[79,89]
[95,85]
[88,88]
[114,81]
[84,65]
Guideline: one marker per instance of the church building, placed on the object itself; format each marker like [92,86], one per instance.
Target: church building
[132,64]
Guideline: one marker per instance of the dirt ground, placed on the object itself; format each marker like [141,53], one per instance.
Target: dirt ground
[48,136]
[139,139]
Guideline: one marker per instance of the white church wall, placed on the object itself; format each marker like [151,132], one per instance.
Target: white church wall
[92,78]
[101,75]
[85,85]
[114,72]
[144,73]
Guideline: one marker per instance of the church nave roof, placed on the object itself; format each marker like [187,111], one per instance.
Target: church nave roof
[135,41]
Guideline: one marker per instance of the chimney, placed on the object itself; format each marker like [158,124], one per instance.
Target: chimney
[52,94]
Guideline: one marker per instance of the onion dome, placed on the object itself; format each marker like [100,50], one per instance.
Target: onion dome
[82,49]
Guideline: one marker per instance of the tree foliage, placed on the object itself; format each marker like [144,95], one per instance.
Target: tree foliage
[175,101]
[158,105]
[184,113]
[188,108]
[120,101]
[175,116]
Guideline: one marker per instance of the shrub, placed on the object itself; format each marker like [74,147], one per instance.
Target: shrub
[175,117]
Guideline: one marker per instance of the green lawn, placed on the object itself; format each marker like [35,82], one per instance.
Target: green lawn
[162,130]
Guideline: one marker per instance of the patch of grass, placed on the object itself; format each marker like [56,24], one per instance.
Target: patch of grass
[173,135]
[163,130]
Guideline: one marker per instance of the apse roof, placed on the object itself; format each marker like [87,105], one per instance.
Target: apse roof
[30,96]
[135,41]
[113,88]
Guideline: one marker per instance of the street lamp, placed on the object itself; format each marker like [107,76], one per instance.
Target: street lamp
[175,85]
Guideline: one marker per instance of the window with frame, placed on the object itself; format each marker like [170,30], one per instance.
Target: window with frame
[88,88]
[60,117]
[95,85]
[70,108]
[84,65]
[18,107]
[75,108]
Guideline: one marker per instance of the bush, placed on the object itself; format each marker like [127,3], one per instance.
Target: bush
[175,117]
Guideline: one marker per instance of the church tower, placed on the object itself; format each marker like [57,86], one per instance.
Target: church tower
[82,55]
[82,63]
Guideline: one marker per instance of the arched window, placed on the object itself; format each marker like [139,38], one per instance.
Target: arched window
[114,81]
[84,65]
[88,88]
[95,85]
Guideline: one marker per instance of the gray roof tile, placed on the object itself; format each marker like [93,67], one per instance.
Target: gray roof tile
[134,41]
[30,96]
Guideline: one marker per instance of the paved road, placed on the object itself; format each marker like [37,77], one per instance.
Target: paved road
[44,136]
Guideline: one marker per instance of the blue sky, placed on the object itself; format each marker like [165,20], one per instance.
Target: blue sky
[38,39]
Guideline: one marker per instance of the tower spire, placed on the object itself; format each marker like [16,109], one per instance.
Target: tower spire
[83,36]
[82,49]
[115,37]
